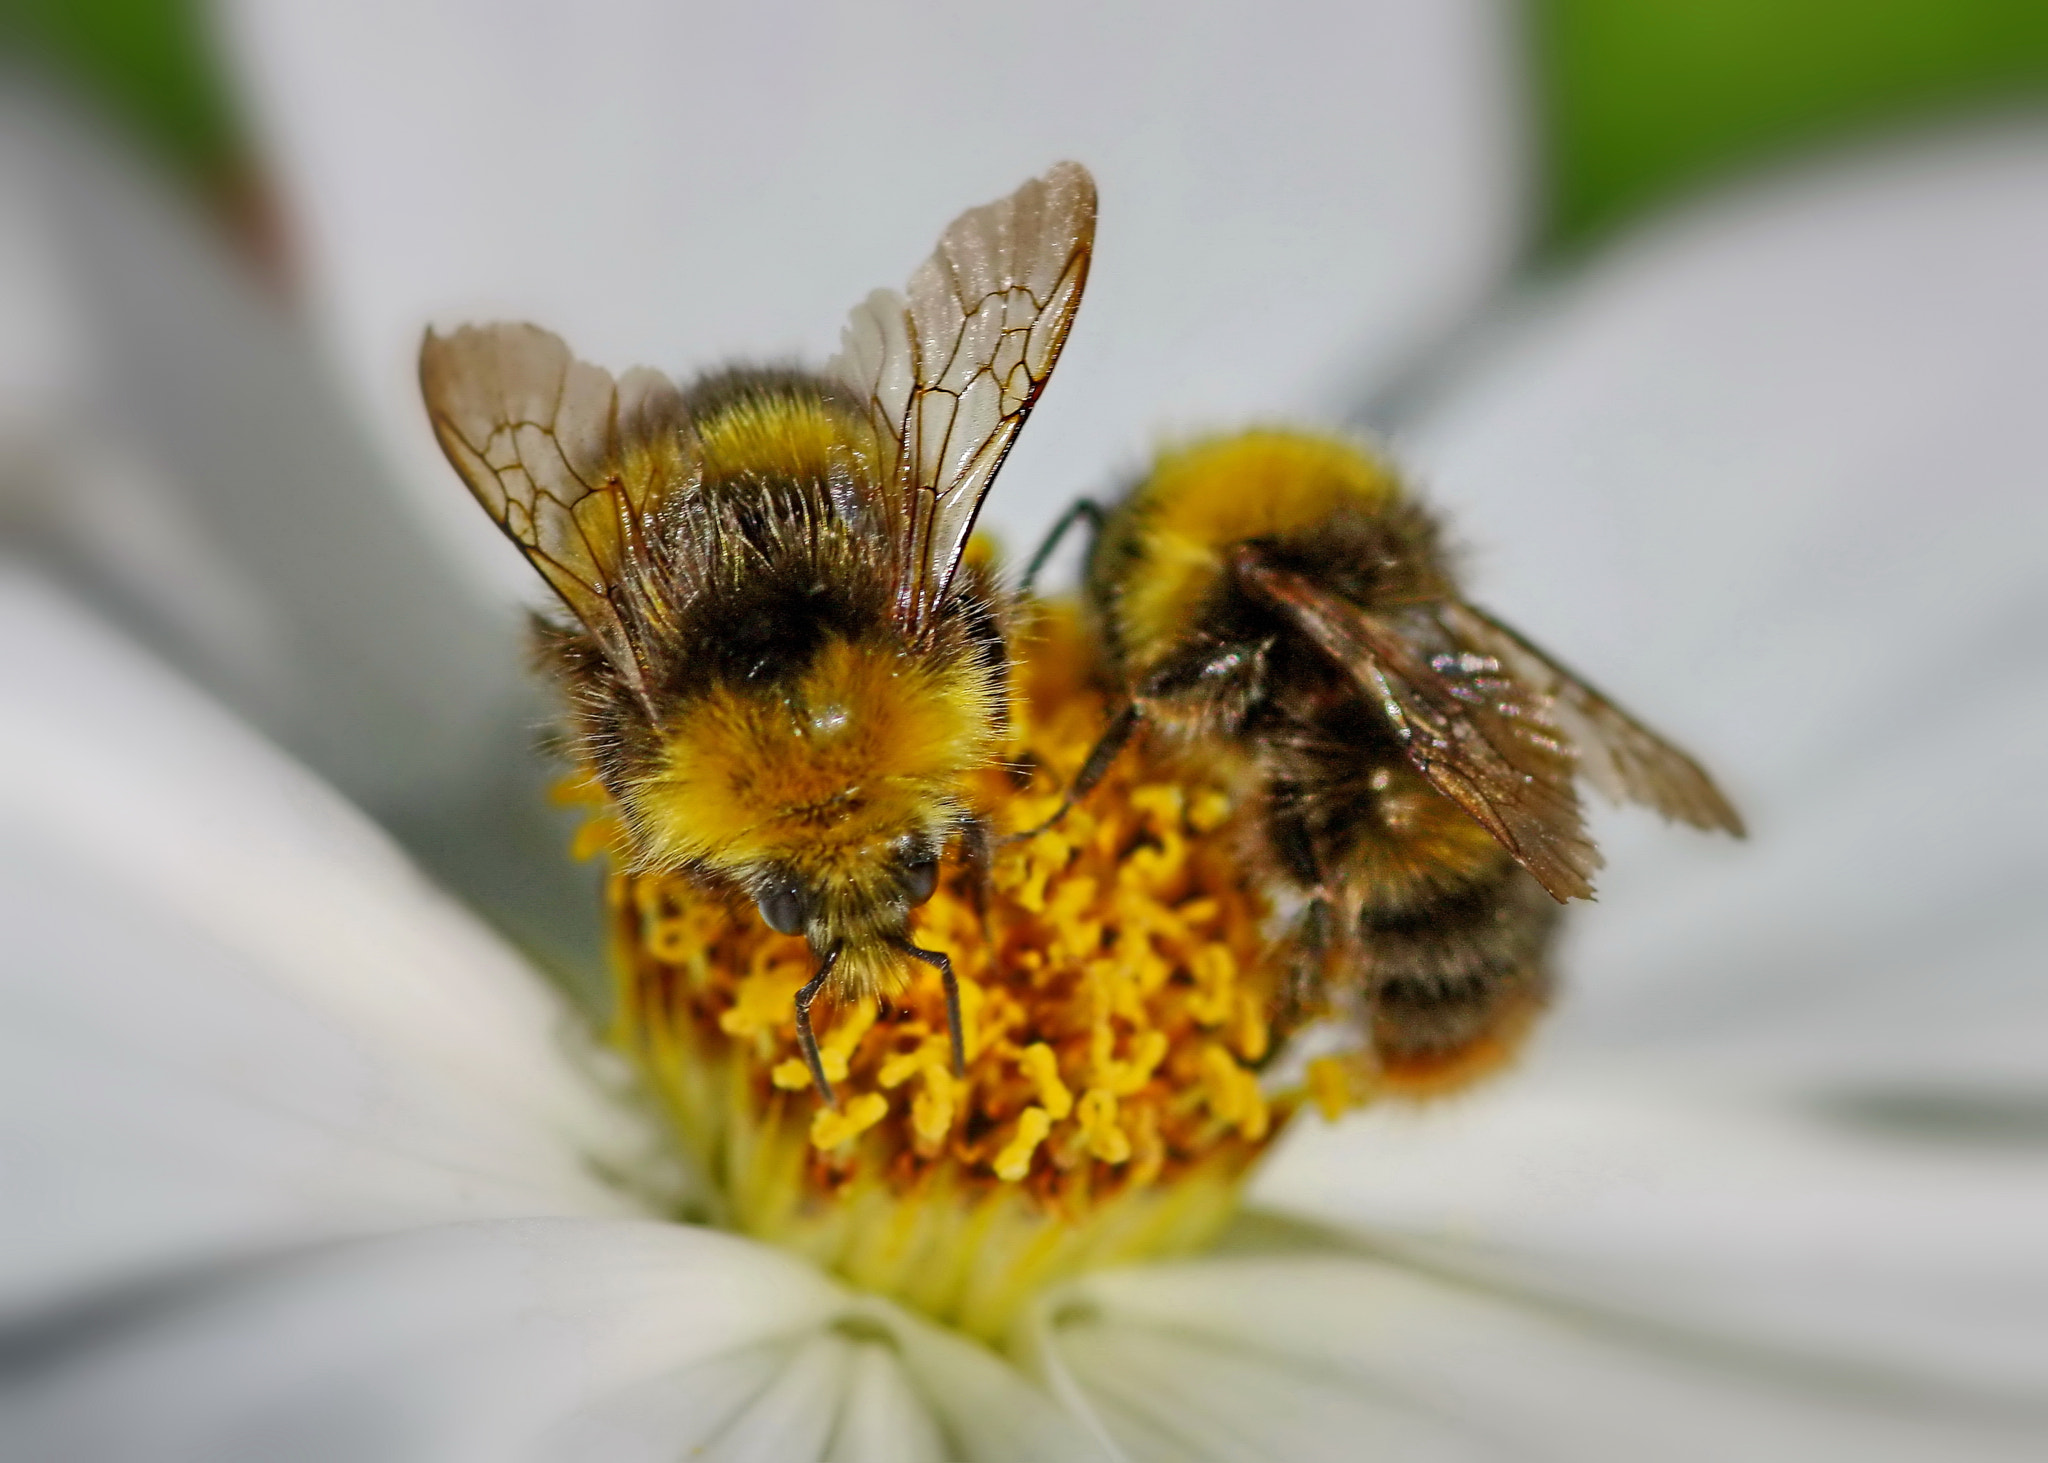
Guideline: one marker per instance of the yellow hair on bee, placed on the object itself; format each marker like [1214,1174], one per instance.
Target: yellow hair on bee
[781,436]
[1201,499]
[866,745]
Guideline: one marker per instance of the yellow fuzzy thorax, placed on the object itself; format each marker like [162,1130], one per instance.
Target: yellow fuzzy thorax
[870,743]
[783,437]
[1200,499]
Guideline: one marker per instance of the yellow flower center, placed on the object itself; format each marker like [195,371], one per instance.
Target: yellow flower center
[1115,992]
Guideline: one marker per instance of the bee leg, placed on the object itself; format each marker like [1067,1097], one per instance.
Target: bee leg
[937,960]
[1305,975]
[806,1039]
[1082,508]
[977,850]
[1100,760]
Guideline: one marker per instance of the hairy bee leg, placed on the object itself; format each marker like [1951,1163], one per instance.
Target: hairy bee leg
[1081,508]
[977,850]
[1305,976]
[1100,760]
[938,961]
[806,1039]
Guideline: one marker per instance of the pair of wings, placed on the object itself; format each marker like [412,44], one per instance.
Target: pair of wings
[1496,725]
[572,465]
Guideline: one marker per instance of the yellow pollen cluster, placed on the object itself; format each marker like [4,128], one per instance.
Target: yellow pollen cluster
[1115,980]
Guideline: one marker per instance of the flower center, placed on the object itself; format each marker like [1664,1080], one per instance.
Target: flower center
[1116,984]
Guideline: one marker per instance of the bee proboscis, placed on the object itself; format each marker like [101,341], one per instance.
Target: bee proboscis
[777,664]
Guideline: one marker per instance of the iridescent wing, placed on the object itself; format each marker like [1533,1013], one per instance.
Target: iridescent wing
[951,372]
[567,461]
[1483,737]
[1617,754]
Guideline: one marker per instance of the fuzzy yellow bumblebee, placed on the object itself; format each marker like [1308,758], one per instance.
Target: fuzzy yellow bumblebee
[1280,598]
[777,664]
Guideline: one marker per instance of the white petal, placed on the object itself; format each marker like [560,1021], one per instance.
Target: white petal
[547,1339]
[231,1014]
[1344,1357]
[1770,473]
[170,440]
[1764,1224]
[1293,198]
[984,1408]
[792,1417]
[881,1419]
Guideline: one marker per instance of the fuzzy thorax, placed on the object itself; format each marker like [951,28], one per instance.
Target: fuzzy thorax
[821,774]
[1201,499]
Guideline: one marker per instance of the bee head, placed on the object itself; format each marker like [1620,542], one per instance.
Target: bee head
[826,795]
[863,907]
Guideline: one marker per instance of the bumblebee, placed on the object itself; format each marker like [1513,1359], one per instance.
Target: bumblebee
[774,659]
[1280,598]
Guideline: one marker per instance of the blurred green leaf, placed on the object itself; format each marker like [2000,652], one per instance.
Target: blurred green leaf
[1642,97]
[152,63]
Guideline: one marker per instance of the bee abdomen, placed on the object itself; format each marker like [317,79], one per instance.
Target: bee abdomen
[1456,979]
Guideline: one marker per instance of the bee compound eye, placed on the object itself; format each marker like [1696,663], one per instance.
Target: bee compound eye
[782,906]
[920,878]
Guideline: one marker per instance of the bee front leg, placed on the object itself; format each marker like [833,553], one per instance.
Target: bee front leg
[1100,760]
[939,962]
[806,1039]
[977,851]
[1081,508]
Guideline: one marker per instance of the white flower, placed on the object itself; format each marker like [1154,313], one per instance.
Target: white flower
[1768,1184]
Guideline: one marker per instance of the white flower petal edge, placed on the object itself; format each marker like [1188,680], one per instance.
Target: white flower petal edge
[1293,198]
[547,1339]
[231,1014]
[1354,1356]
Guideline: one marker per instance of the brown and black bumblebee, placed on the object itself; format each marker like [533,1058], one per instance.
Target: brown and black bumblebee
[1279,598]
[778,666]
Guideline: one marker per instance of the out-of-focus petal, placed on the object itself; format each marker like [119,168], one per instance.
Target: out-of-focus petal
[1770,473]
[548,1339]
[1716,1213]
[172,443]
[1345,1356]
[231,1014]
[882,1420]
[1293,197]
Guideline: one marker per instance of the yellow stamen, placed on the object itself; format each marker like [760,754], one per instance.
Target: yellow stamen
[832,1126]
[1014,1161]
[1331,1086]
[1043,1068]
[1099,1129]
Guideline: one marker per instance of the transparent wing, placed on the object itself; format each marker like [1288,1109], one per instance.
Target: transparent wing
[1617,754]
[567,461]
[951,371]
[1483,737]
